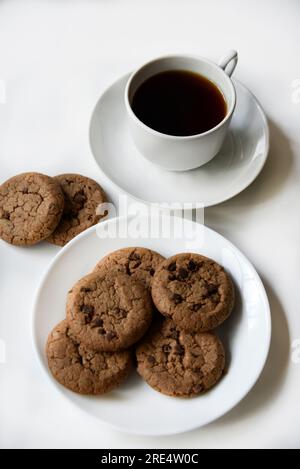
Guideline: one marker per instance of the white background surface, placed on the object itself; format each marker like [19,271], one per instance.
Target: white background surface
[56,57]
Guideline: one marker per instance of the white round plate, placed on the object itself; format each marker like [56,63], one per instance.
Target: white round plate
[239,162]
[135,407]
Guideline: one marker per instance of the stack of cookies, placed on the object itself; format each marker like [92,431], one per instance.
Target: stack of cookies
[35,207]
[136,303]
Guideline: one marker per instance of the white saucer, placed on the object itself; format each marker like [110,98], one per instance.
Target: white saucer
[135,407]
[236,166]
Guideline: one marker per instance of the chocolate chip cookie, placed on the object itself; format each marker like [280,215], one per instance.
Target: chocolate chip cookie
[108,310]
[31,206]
[82,197]
[180,364]
[82,370]
[194,291]
[138,263]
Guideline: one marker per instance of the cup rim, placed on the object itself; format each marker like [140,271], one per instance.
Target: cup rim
[179,137]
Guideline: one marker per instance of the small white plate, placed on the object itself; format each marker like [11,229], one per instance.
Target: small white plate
[135,407]
[239,162]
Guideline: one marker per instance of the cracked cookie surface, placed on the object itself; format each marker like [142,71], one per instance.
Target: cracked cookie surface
[82,197]
[31,206]
[180,364]
[194,291]
[82,370]
[138,263]
[108,310]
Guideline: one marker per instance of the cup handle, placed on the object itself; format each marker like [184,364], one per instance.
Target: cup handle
[228,62]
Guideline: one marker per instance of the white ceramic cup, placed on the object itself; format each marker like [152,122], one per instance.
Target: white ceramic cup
[175,152]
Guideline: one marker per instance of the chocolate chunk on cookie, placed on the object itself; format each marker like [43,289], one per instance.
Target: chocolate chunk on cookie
[108,310]
[82,370]
[82,197]
[31,206]
[138,263]
[194,291]
[180,364]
